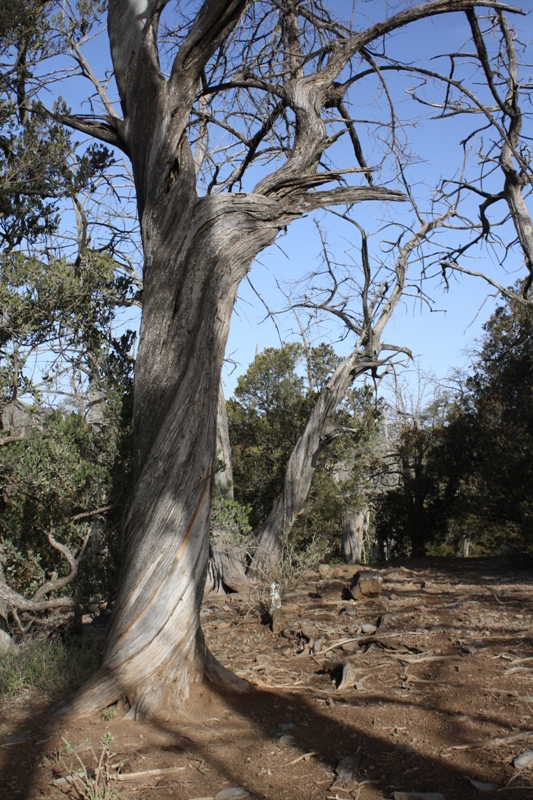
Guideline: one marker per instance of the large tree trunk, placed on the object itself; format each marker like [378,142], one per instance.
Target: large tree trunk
[271,536]
[155,648]
[196,250]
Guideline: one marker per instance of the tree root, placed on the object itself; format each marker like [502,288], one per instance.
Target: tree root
[223,678]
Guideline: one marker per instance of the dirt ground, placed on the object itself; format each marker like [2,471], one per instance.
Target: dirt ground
[437,697]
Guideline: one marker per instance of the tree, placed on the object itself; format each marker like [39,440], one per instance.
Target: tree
[61,473]
[494,415]
[280,96]
[267,415]
[270,410]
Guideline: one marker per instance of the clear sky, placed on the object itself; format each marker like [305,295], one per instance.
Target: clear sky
[439,335]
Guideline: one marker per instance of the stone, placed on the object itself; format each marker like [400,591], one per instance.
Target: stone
[368,629]
[406,747]
[350,648]
[285,738]
[366,584]
[482,787]
[330,588]
[236,793]
[524,760]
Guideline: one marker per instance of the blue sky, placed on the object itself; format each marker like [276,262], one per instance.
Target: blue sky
[437,337]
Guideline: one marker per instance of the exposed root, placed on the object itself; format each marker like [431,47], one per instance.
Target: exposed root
[100,691]
[224,678]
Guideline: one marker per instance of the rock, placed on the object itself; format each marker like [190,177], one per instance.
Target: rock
[236,793]
[524,760]
[286,726]
[285,738]
[350,648]
[330,588]
[418,796]
[407,747]
[346,771]
[6,642]
[350,612]
[481,787]
[262,660]
[366,584]
[368,628]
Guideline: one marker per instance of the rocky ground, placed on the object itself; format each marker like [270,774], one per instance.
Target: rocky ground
[424,691]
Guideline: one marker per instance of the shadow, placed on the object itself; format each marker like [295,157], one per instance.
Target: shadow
[24,749]
[327,727]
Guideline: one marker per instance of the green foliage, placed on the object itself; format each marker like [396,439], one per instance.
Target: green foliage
[497,412]
[469,474]
[47,665]
[271,407]
[229,520]
[410,515]
[265,419]
[51,483]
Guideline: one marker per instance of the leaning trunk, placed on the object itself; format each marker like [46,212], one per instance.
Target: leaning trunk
[271,536]
[155,648]
[224,471]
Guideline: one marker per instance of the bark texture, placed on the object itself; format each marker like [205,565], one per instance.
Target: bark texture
[223,476]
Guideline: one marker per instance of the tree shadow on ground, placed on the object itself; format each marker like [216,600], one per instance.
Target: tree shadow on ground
[391,768]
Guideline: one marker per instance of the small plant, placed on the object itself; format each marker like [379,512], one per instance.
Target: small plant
[109,713]
[93,783]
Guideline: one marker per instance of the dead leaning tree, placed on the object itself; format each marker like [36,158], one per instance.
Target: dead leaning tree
[274,78]
[380,292]
[507,153]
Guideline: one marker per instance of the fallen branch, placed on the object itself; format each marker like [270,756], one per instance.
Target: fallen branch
[18,601]
[492,742]
[11,439]
[302,758]
[421,658]
[146,773]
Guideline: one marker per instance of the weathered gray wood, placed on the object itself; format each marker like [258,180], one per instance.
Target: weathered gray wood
[223,477]
[226,571]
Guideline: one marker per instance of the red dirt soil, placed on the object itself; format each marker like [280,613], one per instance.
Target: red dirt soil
[439,697]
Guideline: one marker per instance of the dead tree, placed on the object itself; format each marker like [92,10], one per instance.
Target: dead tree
[379,295]
[274,80]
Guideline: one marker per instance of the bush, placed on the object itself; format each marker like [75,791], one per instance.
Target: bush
[50,666]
